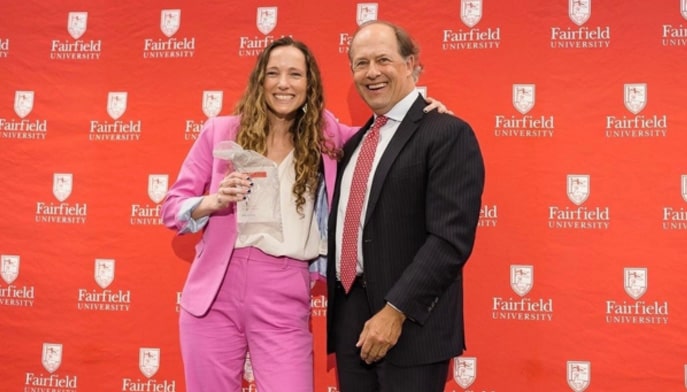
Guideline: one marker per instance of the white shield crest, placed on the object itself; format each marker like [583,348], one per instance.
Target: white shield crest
[248,369]
[579,375]
[464,371]
[636,281]
[62,185]
[104,272]
[578,188]
[470,12]
[170,20]
[523,97]
[579,11]
[521,278]
[684,187]
[9,268]
[157,187]
[266,19]
[77,23]
[366,12]
[23,103]
[212,102]
[116,104]
[52,356]
[635,97]
[683,11]
[149,361]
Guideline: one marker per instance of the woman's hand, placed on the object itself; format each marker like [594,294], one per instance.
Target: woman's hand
[435,104]
[234,187]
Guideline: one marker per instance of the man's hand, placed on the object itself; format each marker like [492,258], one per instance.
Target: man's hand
[380,333]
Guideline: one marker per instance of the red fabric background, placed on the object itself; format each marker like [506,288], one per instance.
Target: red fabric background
[574,311]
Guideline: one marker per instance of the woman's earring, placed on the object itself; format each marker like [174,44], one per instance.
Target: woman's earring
[304,108]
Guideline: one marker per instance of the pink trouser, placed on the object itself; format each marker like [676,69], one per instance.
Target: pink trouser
[262,307]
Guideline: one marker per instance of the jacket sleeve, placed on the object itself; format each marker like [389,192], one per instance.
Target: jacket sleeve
[454,185]
[338,132]
[193,180]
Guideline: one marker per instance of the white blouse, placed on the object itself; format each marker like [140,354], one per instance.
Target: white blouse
[301,236]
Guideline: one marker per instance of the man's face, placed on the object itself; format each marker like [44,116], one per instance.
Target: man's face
[382,77]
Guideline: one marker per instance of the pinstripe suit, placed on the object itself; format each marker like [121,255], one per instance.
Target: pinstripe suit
[418,232]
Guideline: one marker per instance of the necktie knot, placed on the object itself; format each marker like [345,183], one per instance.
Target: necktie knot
[379,122]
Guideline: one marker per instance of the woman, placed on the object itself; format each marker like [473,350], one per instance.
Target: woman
[250,290]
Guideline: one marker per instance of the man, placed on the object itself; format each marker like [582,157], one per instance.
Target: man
[400,229]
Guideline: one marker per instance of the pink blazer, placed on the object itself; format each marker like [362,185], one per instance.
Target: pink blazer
[201,173]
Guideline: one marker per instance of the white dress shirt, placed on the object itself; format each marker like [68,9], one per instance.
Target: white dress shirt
[395,115]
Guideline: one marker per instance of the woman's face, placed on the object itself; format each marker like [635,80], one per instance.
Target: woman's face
[285,81]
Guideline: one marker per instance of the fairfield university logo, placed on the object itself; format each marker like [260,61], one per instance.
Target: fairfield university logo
[635,99]
[169,47]
[61,212]
[103,299]
[488,215]
[22,127]
[146,213]
[23,103]
[580,36]
[675,218]
[170,20]
[579,374]
[579,217]
[364,12]
[266,19]
[11,294]
[211,105]
[51,359]
[464,371]
[104,272]
[148,363]
[523,98]
[636,311]
[265,22]
[76,48]
[579,11]
[471,37]
[523,308]
[672,35]
[318,303]
[116,130]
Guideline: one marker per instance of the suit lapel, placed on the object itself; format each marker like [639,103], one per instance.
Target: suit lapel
[405,130]
[352,144]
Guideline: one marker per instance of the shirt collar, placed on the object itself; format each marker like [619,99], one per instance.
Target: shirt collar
[398,112]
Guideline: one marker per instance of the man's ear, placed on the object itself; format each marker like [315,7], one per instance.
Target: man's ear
[410,64]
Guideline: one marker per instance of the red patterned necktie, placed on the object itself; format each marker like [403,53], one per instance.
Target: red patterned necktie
[351,227]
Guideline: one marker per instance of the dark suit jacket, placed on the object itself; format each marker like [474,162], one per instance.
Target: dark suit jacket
[418,232]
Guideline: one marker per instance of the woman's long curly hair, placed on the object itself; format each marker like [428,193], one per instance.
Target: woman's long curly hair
[308,140]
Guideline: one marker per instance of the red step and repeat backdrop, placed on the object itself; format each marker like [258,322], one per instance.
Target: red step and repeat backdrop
[577,281]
